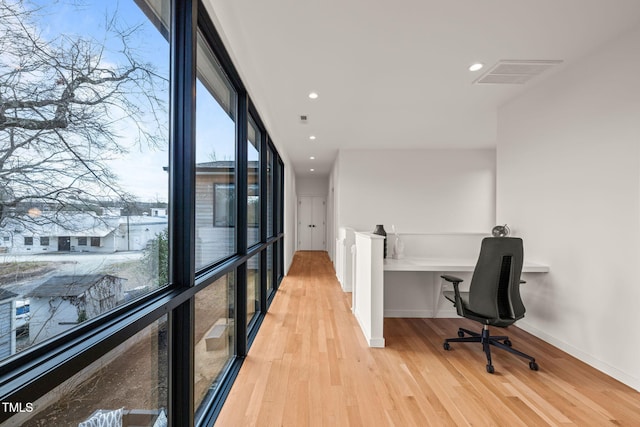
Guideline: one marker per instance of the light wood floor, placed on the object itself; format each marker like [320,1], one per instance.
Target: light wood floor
[310,366]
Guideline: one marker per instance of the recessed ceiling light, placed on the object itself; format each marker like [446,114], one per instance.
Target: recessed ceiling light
[477,66]
[312,158]
[313,95]
[312,170]
[312,137]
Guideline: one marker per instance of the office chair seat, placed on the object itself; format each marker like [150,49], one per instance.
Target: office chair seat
[493,298]
[464,296]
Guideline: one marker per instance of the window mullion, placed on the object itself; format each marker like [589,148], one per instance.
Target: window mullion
[240,301]
[182,215]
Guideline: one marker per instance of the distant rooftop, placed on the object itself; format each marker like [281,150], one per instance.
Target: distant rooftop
[221,164]
[4,294]
[74,224]
[68,285]
[79,224]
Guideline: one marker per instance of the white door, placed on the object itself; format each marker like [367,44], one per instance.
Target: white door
[311,223]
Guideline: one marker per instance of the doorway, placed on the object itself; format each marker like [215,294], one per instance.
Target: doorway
[311,223]
[64,244]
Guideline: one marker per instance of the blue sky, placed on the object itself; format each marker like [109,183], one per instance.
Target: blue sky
[141,170]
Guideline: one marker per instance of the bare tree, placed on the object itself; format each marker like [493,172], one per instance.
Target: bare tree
[67,106]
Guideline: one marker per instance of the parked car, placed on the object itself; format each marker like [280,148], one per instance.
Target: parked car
[23,316]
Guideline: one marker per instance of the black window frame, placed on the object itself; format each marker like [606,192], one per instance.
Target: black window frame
[29,375]
[259,182]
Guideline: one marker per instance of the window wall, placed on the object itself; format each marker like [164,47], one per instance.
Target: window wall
[214,337]
[253,180]
[84,137]
[215,164]
[150,179]
[271,280]
[253,288]
[128,384]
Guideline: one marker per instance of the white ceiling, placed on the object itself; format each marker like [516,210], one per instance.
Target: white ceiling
[394,74]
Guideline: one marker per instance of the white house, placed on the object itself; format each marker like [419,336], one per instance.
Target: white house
[66,300]
[81,232]
[7,323]
[134,232]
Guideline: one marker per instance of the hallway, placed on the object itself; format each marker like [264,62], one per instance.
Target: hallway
[310,366]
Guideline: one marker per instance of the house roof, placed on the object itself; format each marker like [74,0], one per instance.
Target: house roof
[5,295]
[139,220]
[223,164]
[220,164]
[68,285]
[75,224]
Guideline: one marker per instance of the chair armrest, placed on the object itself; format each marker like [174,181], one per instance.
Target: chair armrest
[452,279]
[458,300]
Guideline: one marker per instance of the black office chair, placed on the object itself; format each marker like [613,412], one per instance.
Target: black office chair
[494,296]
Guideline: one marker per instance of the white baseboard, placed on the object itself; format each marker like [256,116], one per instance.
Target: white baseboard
[447,314]
[408,313]
[443,314]
[371,341]
[604,367]
[376,342]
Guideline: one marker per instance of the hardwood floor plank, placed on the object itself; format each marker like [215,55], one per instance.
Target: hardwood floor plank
[310,366]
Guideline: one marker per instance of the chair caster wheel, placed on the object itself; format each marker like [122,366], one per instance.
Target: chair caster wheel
[533,366]
[490,369]
[460,334]
[446,346]
[508,343]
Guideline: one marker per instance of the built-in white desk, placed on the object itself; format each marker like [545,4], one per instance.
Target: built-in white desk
[447,265]
[439,266]
[368,292]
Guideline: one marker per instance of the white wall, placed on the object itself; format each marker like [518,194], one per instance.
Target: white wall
[46,323]
[444,192]
[308,186]
[333,203]
[568,183]
[416,190]
[332,229]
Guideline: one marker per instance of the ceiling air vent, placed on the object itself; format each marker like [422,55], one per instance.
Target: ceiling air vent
[515,71]
[304,119]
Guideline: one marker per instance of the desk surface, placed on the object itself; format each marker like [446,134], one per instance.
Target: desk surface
[447,265]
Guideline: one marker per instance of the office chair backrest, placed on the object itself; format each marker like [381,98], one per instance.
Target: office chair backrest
[495,286]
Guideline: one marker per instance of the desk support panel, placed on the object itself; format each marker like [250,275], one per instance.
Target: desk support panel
[368,290]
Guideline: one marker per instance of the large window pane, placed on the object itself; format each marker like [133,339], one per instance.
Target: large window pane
[84,93]
[214,335]
[129,383]
[253,180]
[279,260]
[279,216]
[253,287]
[270,273]
[215,161]
[270,178]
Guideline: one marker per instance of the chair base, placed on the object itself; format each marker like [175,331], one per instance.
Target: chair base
[487,340]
